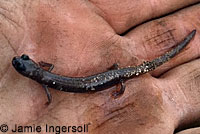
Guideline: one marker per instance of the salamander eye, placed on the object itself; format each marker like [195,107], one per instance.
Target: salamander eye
[25,57]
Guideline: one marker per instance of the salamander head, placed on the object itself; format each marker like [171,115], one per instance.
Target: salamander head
[24,65]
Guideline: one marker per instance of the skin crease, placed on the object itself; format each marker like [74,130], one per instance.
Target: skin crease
[82,38]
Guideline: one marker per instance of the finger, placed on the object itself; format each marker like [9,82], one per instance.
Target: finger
[182,90]
[157,37]
[122,15]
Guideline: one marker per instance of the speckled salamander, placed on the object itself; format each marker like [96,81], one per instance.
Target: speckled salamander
[27,67]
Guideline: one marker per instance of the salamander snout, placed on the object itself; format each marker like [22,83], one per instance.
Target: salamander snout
[18,64]
[24,65]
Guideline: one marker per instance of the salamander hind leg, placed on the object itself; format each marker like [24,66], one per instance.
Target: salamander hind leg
[44,64]
[117,93]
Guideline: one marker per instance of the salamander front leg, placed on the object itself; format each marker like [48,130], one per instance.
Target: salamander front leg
[48,94]
[118,93]
[50,68]
[49,65]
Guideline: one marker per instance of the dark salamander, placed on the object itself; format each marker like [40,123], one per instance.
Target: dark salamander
[27,67]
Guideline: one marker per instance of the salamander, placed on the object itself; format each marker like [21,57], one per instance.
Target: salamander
[101,81]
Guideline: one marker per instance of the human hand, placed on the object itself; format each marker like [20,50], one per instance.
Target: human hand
[85,37]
